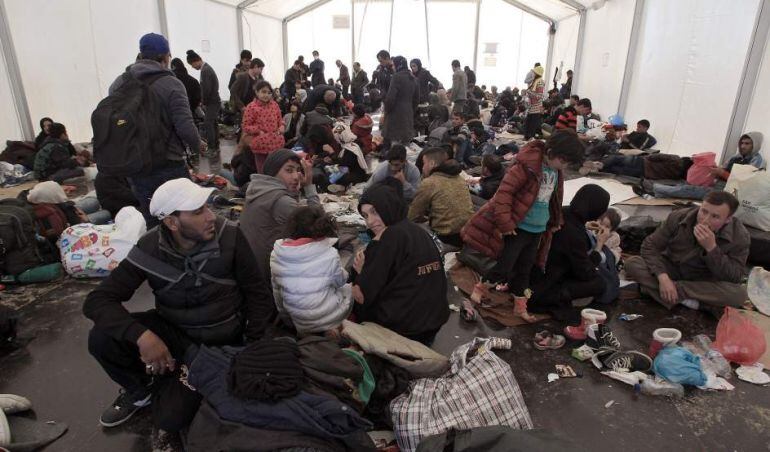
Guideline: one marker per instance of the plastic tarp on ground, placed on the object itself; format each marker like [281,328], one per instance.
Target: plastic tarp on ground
[687,70]
[604,55]
[70,55]
[209,29]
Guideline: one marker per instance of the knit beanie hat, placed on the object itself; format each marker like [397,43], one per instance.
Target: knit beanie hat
[387,200]
[152,45]
[267,370]
[277,159]
[538,70]
[192,56]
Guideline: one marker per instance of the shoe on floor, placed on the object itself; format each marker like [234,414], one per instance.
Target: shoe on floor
[629,360]
[600,337]
[124,407]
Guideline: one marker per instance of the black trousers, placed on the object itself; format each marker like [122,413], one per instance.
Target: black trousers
[173,405]
[555,290]
[516,261]
[532,125]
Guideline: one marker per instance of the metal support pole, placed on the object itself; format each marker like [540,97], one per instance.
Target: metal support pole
[390,29]
[749,79]
[549,57]
[239,27]
[427,34]
[285,35]
[633,45]
[579,50]
[352,33]
[163,18]
[14,76]
[476,39]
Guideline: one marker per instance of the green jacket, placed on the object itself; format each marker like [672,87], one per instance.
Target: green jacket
[53,156]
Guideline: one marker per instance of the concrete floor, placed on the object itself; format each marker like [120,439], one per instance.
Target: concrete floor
[55,371]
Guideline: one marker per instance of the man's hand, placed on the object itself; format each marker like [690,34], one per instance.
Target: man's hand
[601,238]
[307,168]
[705,237]
[328,160]
[668,290]
[328,149]
[400,176]
[358,261]
[155,354]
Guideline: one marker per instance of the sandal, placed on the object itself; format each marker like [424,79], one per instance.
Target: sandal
[545,340]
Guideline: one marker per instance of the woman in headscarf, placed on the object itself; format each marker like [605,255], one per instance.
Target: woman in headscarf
[400,282]
[400,104]
[571,269]
[426,82]
[191,85]
[45,125]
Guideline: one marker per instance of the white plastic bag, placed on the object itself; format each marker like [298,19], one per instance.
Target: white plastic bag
[89,250]
[759,289]
[751,186]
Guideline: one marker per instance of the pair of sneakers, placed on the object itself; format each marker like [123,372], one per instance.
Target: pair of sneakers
[609,353]
[125,406]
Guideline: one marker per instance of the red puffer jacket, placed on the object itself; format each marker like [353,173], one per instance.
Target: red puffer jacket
[510,205]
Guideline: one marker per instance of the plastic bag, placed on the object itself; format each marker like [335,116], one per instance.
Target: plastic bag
[751,186]
[679,365]
[759,289]
[700,171]
[739,340]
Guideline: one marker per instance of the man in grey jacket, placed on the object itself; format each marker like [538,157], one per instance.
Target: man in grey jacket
[696,257]
[211,104]
[271,198]
[459,86]
[176,115]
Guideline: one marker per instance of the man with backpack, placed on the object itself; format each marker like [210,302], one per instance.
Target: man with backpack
[142,127]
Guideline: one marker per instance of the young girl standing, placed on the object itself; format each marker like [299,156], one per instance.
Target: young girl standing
[262,125]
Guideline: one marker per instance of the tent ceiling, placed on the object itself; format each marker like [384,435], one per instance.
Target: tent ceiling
[281,9]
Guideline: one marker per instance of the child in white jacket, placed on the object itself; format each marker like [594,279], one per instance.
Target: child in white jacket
[309,284]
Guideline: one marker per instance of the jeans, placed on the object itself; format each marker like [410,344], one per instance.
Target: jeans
[624,165]
[66,173]
[173,404]
[212,138]
[91,207]
[358,97]
[684,191]
[144,187]
[516,261]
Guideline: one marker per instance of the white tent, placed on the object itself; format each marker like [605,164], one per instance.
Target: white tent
[691,67]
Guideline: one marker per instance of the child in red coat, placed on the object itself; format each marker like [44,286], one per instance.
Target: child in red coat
[262,125]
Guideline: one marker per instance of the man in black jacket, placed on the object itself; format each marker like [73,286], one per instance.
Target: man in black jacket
[317,70]
[212,103]
[207,292]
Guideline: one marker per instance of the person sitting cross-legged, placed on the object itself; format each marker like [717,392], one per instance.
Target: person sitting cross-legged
[696,257]
[207,292]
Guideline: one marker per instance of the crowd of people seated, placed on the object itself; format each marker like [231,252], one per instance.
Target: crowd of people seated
[217,283]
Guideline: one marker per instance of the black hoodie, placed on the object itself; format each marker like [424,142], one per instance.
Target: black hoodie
[571,247]
[403,279]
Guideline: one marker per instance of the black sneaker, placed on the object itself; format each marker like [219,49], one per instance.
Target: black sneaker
[124,407]
[599,337]
[630,360]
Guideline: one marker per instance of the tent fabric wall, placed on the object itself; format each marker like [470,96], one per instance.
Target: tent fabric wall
[604,55]
[371,25]
[565,46]
[314,31]
[67,69]
[758,118]
[450,39]
[687,70]
[191,22]
[263,36]
[10,127]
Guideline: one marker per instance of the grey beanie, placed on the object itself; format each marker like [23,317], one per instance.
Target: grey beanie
[277,159]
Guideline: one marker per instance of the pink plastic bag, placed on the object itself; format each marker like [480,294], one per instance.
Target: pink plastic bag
[700,171]
[739,340]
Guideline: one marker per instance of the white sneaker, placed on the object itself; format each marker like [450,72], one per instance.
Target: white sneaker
[690,303]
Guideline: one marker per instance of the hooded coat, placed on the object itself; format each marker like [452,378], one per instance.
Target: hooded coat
[426,82]
[444,199]
[268,206]
[755,158]
[309,284]
[510,204]
[400,104]
[402,280]
[264,122]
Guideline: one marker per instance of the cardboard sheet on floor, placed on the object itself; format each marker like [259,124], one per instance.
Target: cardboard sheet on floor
[499,308]
[762,322]
[618,192]
[12,192]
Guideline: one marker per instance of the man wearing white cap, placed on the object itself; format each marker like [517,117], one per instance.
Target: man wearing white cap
[207,291]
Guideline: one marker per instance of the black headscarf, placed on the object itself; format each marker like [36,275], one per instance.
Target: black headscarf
[416,62]
[399,63]
[42,135]
[178,68]
[589,203]
[387,197]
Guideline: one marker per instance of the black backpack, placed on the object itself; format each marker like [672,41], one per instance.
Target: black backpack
[130,129]
[18,242]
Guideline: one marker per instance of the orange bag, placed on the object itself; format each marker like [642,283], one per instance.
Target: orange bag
[739,340]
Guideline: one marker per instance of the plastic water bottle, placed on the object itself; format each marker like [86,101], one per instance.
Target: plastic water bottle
[661,387]
[712,359]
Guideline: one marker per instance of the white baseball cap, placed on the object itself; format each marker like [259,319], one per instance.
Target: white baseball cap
[178,195]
